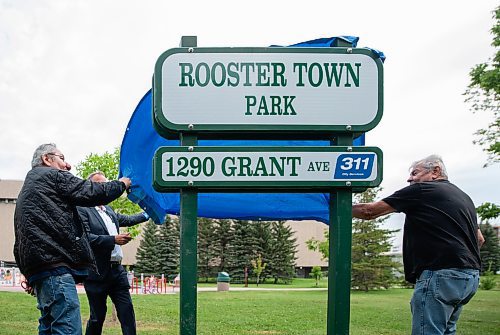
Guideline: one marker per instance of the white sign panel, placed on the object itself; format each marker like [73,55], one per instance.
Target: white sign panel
[286,87]
[225,167]
[266,166]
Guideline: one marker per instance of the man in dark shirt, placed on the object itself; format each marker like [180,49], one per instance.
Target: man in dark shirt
[111,279]
[51,247]
[440,244]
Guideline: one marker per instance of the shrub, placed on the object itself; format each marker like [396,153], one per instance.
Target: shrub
[488,280]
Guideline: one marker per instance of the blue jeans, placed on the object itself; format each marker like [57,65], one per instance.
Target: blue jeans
[438,299]
[59,305]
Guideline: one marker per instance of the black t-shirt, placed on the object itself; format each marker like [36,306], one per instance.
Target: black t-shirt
[440,230]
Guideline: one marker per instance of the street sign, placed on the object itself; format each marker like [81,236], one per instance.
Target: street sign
[266,168]
[267,91]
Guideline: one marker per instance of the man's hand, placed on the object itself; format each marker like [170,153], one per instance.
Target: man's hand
[480,238]
[27,288]
[122,239]
[126,181]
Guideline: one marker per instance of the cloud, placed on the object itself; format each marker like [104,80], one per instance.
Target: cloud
[72,72]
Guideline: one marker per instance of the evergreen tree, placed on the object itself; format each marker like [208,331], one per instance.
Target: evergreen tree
[242,250]
[147,253]
[168,247]
[223,237]
[206,248]
[370,267]
[263,240]
[283,249]
[490,251]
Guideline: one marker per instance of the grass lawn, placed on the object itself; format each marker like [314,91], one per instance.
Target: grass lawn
[265,312]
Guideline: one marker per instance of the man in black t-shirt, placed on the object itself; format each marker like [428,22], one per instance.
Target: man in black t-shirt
[440,244]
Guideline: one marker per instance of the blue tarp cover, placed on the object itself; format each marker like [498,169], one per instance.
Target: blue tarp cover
[141,141]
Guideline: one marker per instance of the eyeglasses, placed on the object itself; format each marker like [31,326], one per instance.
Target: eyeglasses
[54,154]
[418,171]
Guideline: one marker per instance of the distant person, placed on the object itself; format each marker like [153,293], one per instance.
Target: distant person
[440,244]
[51,246]
[111,279]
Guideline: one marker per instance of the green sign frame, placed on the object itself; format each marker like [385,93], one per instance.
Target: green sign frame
[187,159]
[241,127]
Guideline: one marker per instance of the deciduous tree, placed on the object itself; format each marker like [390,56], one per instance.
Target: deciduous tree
[108,164]
[483,93]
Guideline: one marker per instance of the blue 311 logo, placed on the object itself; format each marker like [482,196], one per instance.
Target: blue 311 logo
[354,166]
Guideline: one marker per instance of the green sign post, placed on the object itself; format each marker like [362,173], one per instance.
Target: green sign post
[268,93]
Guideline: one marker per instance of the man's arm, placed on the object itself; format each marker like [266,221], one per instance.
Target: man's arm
[372,210]
[96,241]
[480,238]
[131,220]
[85,193]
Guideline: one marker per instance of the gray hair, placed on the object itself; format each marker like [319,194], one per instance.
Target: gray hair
[90,176]
[429,163]
[42,150]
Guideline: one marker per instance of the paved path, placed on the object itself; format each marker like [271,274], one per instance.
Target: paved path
[80,289]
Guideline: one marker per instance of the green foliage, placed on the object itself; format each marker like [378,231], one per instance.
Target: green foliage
[316,273]
[488,211]
[242,249]
[281,265]
[168,247]
[108,163]
[206,248]
[147,253]
[258,267]
[483,93]
[263,240]
[321,246]
[224,245]
[488,281]
[490,251]
[371,268]
[224,233]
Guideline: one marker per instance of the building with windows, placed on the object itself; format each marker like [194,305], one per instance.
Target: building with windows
[9,190]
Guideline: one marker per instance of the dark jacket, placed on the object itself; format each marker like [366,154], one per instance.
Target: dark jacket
[48,230]
[101,242]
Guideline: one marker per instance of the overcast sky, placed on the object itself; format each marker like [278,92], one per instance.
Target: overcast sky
[72,72]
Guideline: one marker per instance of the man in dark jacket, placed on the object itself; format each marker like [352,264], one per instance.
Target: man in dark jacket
[111,280]
[440,244]
[51,246]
